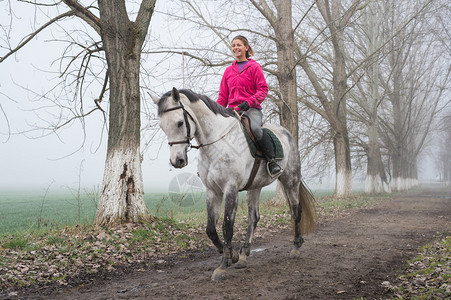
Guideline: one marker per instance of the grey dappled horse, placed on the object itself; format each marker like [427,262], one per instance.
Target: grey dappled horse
[225,165]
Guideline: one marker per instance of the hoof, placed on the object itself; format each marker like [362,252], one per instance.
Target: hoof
[218,274]
[235,256]
[242,264]
[295,253]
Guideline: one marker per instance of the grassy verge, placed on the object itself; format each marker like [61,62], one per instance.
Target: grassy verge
[428,275]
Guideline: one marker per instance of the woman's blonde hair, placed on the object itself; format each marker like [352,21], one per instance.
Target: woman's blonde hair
[249,52]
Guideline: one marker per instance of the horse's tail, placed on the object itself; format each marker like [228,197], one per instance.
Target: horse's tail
[308,216]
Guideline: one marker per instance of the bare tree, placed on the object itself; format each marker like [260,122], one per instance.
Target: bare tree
[367,45]
[414,79]
[376,179]
[371,112]
[443,157]
[336,17]
[121,39]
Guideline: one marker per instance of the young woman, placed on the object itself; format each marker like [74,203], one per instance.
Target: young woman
[243,88]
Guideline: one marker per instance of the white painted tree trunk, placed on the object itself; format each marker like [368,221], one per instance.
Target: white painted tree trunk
[373,184]
[343,187]
[122,199]
[402,184]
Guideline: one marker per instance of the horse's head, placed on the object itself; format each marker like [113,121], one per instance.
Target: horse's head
[178,125]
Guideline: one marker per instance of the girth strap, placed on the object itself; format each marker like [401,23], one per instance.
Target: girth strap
[257,162]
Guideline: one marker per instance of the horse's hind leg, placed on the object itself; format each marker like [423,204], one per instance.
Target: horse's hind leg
[291,188]
[214,201]
[252,198]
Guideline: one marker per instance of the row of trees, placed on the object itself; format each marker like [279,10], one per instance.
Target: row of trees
[364,80]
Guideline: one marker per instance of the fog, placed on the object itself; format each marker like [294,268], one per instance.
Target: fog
[36,164]
[73,155]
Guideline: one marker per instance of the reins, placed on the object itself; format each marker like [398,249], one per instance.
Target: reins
[188,130]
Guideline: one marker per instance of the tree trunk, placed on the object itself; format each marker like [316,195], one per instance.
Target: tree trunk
[286,74]
[121,198]
[398,183]
[375,181]
[336,21]
[343,174]
[286,68]
[343,183]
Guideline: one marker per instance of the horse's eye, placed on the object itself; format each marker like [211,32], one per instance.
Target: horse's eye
[179,124]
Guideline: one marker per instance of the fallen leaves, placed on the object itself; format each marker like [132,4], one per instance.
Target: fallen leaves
[428,276]
[64,254]
[70,252]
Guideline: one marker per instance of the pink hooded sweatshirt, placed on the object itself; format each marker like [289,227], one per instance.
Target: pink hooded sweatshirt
[249,85]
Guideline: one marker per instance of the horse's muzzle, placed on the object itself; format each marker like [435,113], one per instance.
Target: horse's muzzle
[179,163]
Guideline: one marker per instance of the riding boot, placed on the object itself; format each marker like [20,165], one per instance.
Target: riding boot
[267,148]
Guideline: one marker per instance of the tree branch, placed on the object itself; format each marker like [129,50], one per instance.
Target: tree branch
[143,18]
[303,17]
[206,62]
[33,34]
[266,12]
[84,13]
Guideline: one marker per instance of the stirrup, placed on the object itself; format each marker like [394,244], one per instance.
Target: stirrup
[269,172]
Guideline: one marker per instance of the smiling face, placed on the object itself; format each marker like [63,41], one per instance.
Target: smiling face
[239,49]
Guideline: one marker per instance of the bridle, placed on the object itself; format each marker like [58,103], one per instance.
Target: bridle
[188,138]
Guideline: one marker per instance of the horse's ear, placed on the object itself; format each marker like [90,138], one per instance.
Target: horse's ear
[175,95]
[154,99]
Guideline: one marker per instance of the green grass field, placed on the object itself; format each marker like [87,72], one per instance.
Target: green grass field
[33,211]
[30,211]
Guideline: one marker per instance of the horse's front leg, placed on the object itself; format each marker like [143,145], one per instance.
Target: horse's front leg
[252,198]
[229,255]
[214,201]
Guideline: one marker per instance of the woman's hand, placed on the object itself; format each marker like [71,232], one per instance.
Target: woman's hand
[243,106]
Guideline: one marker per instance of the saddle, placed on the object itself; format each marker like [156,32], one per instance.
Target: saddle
[251,141]
[255,149]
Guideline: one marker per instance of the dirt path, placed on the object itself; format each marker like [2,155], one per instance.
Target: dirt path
[346,258]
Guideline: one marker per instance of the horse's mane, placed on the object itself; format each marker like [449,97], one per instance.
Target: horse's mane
[193,97]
